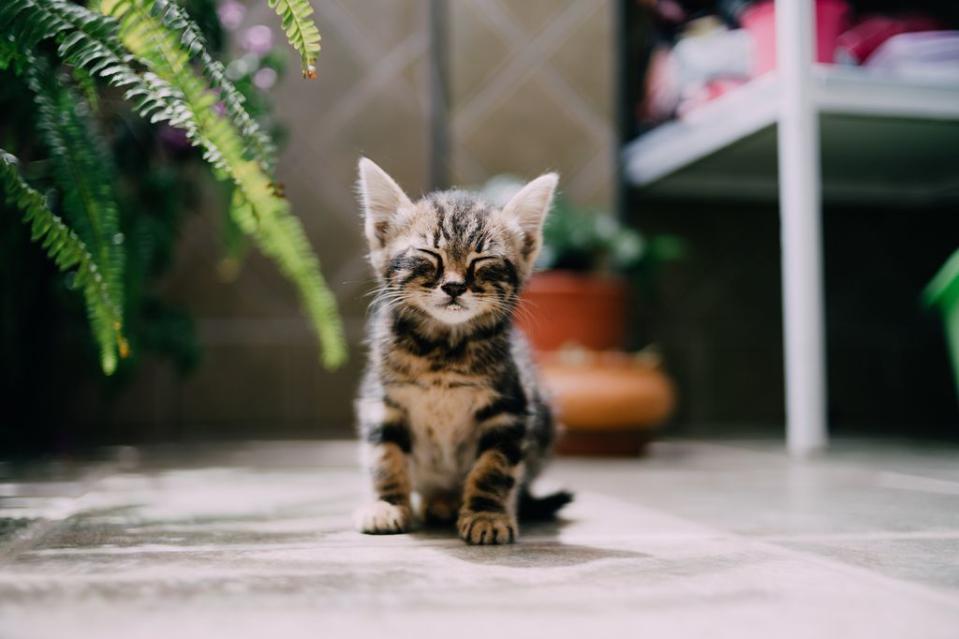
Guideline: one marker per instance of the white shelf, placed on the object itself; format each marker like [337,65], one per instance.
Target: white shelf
[882,139]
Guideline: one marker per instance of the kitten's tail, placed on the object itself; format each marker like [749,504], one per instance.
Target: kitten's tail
[542,508]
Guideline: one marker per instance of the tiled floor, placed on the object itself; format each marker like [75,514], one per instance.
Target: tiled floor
[699,539]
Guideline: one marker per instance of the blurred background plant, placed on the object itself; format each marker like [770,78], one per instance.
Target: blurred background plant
[588,239]
[118,156]
[943,292]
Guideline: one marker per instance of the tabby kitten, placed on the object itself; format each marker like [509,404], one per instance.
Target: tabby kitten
[449,406]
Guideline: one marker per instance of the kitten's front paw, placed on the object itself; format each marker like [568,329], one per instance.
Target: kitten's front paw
[382,518]
[486,528]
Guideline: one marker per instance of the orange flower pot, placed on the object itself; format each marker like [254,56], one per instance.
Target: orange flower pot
[608,403]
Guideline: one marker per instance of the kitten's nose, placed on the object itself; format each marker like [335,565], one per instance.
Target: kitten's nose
[454,289]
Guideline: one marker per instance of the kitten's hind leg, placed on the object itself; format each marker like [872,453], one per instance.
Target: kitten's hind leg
[391,512]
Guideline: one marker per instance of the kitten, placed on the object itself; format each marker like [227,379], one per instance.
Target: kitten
[449,406]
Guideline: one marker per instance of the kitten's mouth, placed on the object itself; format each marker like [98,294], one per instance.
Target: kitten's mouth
[452,312]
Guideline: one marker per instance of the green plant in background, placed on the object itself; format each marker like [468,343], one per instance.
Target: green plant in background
[150,53]
[589,240]
[69,253]
[943,291]
[585,240]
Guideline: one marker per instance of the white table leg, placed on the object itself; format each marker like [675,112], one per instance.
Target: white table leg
[801,234]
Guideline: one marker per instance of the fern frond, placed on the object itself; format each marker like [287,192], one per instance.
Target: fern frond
[88,41]
[87,86]
[25,25]
[171,91]
[266,217]
[68,252]
[82,170]
[259,145]
[10,55]
[281,237]
[234,240]
[301,31]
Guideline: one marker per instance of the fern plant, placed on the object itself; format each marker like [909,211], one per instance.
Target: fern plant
[83,174]
[153,53]
[70,254]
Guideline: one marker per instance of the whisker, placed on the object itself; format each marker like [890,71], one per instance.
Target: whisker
[524,309]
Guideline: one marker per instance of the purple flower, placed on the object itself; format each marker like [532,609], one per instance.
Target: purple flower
[231,14]
[264,78]
[257,39]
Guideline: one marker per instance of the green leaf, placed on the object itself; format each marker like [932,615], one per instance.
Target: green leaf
[69,253]
[87,86]
[300,30]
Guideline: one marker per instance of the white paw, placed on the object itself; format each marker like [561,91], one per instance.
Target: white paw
[382,518]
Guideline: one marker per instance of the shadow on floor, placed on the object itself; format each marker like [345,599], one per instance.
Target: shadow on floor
[539,546]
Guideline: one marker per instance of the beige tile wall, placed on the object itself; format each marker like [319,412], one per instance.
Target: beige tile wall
[531,85]
[530,90]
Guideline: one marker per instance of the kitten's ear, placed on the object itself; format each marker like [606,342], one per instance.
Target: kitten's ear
[381,197]
[530,207]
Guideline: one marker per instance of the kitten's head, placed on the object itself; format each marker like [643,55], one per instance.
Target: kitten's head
[452,258]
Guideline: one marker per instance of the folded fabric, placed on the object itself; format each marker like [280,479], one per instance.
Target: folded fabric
[857,43]
[931,56]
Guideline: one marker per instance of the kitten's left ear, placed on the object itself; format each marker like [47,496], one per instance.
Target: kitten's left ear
[530,207]
[381,198]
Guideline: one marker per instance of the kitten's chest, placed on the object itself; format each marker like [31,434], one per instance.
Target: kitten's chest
[442,419]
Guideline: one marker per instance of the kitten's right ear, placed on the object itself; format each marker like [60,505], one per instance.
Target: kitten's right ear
[381,197]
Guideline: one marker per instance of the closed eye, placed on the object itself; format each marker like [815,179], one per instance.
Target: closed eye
[479,260]
[433,254]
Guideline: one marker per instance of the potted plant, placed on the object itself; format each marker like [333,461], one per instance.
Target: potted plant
[578,297]
[111,106]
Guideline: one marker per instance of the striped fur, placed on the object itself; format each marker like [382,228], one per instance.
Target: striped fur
[449,407]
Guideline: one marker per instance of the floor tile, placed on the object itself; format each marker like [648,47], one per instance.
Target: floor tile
[699,539]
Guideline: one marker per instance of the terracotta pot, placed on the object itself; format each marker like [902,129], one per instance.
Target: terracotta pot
[607,403]
[563,308]
[610,391]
